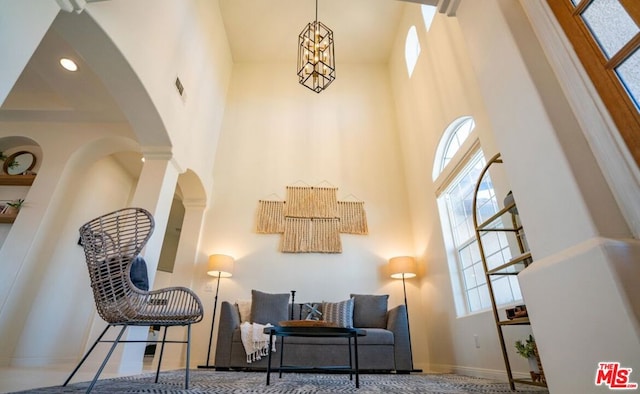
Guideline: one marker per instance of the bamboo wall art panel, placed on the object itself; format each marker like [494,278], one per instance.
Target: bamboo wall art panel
[311,219]
[353,219]
[270,217]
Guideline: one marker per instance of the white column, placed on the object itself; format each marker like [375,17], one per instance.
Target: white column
[154,192]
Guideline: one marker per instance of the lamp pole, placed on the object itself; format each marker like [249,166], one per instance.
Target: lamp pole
[220,265]
[406,309]
[213,319]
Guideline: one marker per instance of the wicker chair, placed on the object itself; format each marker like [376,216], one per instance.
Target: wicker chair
[110,243]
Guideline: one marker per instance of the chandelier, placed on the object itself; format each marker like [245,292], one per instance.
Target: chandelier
[316,60]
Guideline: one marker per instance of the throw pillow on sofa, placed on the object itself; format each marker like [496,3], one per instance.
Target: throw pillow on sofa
[370,310]
[340,313]
[244,309]
[269,308]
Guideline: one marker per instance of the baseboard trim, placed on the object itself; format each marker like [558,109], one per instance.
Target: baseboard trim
[495,374]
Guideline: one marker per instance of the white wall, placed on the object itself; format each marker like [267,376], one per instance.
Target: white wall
[62,309]
[563,198]
[366,138]
[443,87]
[275,133]
[184,39]
[34,235]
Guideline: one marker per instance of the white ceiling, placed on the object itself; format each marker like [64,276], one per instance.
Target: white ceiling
[267,31]
[257,31]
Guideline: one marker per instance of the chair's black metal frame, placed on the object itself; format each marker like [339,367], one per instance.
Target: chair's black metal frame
[110,243]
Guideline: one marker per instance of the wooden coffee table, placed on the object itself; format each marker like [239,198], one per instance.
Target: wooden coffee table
[296,331]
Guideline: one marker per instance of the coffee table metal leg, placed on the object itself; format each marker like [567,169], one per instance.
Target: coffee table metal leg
[281,355]
[355,339]
[269,363]
[350,361]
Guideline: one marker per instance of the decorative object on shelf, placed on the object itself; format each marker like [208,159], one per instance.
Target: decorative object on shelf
[316,58]
[529,350]
[12,207]
[516,312]
[220,266]
[21,162]
[508,200]
[311,219]
[405,267]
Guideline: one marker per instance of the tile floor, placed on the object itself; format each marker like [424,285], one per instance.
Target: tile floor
[17,379]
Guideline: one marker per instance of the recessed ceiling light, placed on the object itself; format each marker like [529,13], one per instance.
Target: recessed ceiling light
[68,64]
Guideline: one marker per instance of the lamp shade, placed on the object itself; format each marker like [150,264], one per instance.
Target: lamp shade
[220,265]
[403,265]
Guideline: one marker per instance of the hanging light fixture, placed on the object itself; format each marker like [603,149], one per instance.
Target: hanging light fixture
[316,60]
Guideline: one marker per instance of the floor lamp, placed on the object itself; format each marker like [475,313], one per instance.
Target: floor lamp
[405,267]
[220,266]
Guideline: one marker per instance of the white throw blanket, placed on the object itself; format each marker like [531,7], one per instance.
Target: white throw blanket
[255,341]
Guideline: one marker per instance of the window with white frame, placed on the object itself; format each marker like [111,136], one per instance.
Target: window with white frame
[411,49]
[464,162]
[428,13]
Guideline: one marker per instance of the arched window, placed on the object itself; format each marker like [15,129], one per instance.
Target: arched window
[411,49]
[428,13]
[463,161]
[453,137]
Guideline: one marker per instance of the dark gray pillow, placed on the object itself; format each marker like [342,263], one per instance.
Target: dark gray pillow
[138,273]
[370,311]
[269,308]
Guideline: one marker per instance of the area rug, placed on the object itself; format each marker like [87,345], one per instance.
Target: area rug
[293,383]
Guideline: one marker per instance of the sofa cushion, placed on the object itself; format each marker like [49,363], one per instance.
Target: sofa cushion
[340,313]
[244,309]
[269,308]
[375,336]
[370,310]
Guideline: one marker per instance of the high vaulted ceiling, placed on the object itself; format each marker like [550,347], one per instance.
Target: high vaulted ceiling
[257,31]
[267,31]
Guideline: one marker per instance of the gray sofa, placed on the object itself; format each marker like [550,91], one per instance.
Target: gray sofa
[383,349]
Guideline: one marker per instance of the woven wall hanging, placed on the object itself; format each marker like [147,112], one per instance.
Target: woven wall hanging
[311,219]
[297,235]
[270,217]
[353,219]
[325,236]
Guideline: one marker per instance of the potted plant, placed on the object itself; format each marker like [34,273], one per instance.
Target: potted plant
[528,350]
[14,206]
[4,158]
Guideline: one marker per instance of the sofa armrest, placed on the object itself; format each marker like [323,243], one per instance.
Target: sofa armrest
[398,324]
[228,323]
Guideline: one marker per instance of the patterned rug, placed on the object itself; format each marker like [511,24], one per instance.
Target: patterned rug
[203,381]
